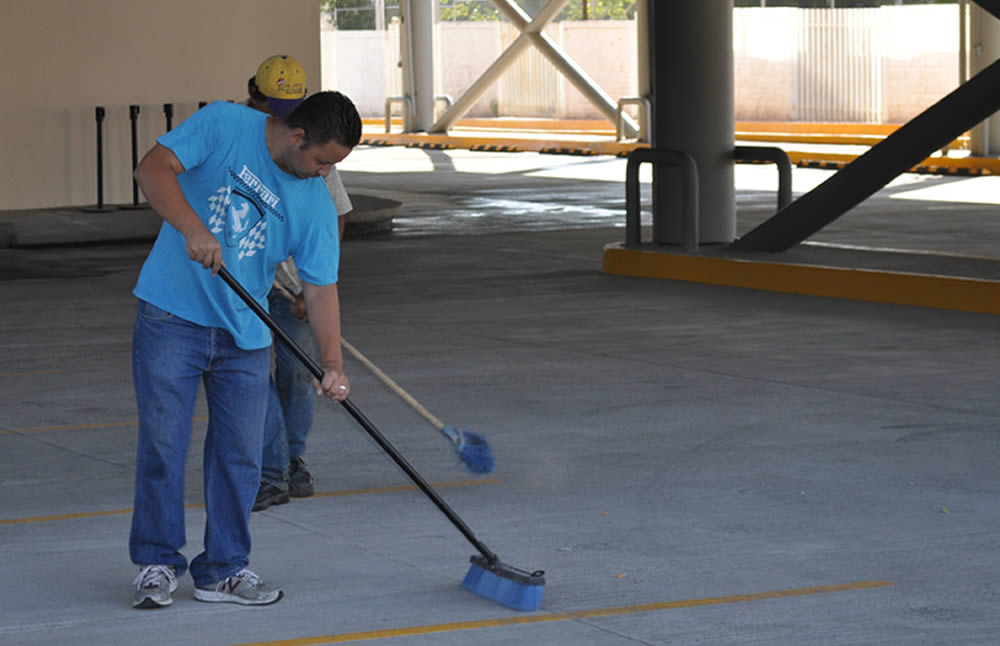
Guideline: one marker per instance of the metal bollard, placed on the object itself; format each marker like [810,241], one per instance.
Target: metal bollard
[100,207]
[168,112]
[133,115]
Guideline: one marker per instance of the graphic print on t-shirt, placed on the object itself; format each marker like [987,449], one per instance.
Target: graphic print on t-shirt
[239,212]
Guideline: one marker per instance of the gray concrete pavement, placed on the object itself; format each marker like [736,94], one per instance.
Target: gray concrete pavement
[690,464]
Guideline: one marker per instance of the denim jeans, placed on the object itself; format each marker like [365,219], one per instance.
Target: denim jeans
[291,398]
[170,358]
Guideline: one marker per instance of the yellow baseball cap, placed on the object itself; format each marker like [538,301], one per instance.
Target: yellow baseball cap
[282,80]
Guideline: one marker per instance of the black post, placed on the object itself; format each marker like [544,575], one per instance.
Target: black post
[202,104]
[133,115]
[168,112]
[100,207]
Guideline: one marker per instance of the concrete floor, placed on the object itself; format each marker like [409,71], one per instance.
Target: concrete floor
[690,464]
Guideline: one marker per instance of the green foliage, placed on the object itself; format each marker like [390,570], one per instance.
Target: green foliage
[356,14]
[360,14]
[473,10]
[600,10]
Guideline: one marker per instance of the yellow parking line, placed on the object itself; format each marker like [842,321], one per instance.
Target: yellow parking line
[71,427]
[86,514]
[29,373]
[520,620]
[323,494]
[82,427]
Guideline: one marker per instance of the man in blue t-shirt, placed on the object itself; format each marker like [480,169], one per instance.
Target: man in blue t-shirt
[237,188]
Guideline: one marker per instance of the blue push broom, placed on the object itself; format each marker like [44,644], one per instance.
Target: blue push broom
[488,576]
[472,448]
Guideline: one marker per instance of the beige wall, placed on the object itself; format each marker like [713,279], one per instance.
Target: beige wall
[921,58]
[63,57]
[612,65]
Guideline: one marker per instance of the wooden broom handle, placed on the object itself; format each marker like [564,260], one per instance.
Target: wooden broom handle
[386,379]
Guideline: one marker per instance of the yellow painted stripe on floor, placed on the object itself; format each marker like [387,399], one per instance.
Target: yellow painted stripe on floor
[319,494]
[29,373]
[810,138]
[513,124]
[521,620]
[76,516]
[70,427]
[532,142]
[923,290]
[816,126]
[81,427]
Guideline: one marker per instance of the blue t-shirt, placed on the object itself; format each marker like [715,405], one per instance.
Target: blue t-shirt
[259,213]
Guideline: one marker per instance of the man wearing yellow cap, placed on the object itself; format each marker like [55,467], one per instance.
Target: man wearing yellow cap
[277,88]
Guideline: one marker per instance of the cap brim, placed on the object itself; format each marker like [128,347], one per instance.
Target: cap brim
[283,107]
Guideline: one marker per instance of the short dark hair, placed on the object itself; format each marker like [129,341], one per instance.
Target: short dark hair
[327,116]
[253,92]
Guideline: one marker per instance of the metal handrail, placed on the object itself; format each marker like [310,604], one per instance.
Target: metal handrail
[644,113]
[389,100]
[689,173]
[446,99]
[770,154]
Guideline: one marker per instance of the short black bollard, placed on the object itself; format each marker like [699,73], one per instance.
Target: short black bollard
[100,207]
[168,112]
[133,115]
[202,104]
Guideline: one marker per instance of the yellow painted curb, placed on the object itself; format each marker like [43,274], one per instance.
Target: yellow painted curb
[511,142]
[898,288]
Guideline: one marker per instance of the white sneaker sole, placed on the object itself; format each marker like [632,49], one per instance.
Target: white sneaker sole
[213,596]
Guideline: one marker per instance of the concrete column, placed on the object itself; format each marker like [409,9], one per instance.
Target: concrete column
[418,63]
[642,58]
[984,49]
[691,77]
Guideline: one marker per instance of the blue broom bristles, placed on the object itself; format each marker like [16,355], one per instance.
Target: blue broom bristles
[515,589]
[473,449]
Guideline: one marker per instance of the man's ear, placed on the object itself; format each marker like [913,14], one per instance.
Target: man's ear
[297,137]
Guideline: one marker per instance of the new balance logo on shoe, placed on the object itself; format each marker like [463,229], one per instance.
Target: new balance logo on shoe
[154,586]
[244,588]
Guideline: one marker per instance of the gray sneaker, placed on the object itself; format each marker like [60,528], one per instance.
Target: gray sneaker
[244,588]
[154,585]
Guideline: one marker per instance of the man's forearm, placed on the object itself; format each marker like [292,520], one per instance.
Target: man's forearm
[323,305]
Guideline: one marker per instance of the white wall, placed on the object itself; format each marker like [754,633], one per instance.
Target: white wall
[765,63]
[354,62]
[606,51]
[63,57]
[920,57]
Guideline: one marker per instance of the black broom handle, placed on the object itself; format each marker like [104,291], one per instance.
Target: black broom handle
[356,413]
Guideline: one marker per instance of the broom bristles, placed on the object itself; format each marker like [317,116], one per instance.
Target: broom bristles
[473,449]
[507,586]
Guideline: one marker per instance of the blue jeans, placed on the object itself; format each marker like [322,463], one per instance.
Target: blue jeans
[170,358]
[291,398]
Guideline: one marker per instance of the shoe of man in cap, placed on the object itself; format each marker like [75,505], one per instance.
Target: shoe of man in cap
[278,86]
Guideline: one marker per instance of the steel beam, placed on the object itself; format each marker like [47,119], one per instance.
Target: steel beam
[906,147]
[532,34]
